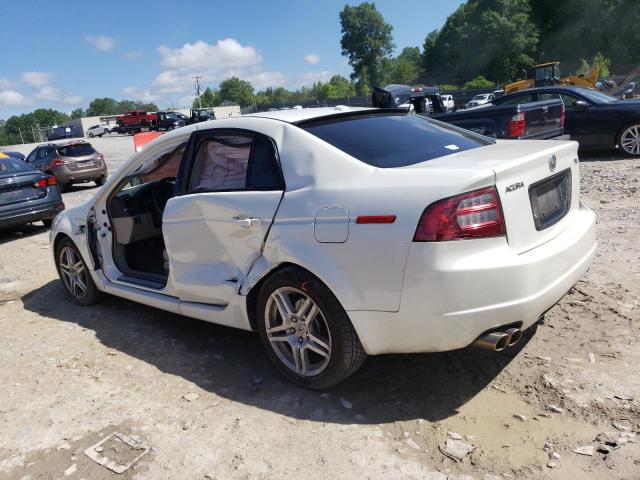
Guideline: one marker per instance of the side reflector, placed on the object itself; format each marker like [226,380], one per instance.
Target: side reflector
[376,219]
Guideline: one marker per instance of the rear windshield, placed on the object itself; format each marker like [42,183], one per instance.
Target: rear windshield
[76,150]
[11,165]
[394,139]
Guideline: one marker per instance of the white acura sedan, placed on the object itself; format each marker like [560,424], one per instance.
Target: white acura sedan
[336,233]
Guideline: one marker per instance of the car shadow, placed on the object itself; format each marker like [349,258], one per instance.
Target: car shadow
[232,364]
[79,187]
[610,155]
[22,231]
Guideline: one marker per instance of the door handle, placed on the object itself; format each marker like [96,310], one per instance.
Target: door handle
[247,222]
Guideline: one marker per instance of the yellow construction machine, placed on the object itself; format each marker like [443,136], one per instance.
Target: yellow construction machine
[548,74]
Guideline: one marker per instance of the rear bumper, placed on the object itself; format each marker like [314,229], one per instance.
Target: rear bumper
[65,175]
[455,291]
[34,213]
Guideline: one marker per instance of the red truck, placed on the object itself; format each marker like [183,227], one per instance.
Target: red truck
[136,121]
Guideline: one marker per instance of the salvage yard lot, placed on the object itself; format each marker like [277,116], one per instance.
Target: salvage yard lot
[207,402]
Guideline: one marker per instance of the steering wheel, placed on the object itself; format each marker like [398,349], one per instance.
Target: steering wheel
[162,191]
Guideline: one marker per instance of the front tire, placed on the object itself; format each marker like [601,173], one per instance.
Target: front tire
[305,331]
[75,275]
[629,140]
[91,135]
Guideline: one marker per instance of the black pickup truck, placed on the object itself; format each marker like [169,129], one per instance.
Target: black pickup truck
[535,120]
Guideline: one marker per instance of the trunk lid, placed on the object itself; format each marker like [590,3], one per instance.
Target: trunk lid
[532,194]
[20,188]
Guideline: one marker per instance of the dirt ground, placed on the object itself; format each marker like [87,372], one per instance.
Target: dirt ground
[207,403]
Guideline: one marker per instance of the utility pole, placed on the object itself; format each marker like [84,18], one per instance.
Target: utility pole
[198,89]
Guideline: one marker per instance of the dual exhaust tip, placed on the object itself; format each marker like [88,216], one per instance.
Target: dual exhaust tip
[498,340]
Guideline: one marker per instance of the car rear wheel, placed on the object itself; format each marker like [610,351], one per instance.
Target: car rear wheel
[306,332]
[75,275]
[47,222]
[100,180]
[629,140]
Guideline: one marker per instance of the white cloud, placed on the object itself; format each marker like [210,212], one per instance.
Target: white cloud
[308,78]
[134,93]
[4,83]
[224,55]
[48,93]
[133,55]
[101,42]
[11,98]
[36,79]
[262,80]
[72,99]
[312,57]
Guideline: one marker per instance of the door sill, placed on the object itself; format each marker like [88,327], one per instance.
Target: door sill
[142,282]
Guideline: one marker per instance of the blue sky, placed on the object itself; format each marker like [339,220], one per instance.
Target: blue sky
[63,54]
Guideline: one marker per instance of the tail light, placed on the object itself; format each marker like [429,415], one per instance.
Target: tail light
[562,117]
[517,125]
[474,214]
[101,157]
[56,162]
[46,182]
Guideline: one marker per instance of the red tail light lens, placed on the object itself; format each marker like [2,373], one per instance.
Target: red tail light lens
[52,181]
[517,125]
[475,214]
[101,157]
[42,183]
[56,162]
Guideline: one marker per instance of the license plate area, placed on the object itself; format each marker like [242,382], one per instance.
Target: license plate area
[550,199]
[85,164]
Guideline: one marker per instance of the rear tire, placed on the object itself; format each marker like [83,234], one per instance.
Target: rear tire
[629,140]
[47,222]
[74,274]
[305,331]
[100,180]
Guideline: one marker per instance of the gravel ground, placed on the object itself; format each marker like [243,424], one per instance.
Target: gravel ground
[208,404]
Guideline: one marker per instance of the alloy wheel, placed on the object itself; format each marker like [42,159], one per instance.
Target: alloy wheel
[297,331]
[73,272]
[630,140]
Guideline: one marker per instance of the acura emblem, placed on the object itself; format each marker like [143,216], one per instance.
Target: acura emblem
[552,163]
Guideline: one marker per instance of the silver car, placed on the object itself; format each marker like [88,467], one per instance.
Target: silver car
[72,162]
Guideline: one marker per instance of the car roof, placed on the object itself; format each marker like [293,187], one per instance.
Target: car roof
[295,116]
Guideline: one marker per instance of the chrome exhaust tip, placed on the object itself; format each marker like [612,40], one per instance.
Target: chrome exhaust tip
[515,334]
[496,341]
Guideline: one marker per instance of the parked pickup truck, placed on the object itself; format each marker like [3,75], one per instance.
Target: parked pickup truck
[136,121]
[535,120]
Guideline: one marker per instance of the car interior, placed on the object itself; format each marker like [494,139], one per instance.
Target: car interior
[136,210]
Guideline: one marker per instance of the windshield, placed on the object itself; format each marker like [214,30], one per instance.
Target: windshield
[597,97]
[10,166]
[480,97]
[393,140]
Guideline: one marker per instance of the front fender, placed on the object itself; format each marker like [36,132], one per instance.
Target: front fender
[72,223]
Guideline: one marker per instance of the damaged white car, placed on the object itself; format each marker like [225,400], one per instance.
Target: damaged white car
[336,233]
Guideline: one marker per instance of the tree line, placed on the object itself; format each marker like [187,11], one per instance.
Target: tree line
[484,43]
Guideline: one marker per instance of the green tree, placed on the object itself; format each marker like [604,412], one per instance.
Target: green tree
[77,113]
[493,38]
[208,98]
[342,87]
[25,123]
[600,61]
[366,42]
[405,67]
[235,90]
[478,82]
